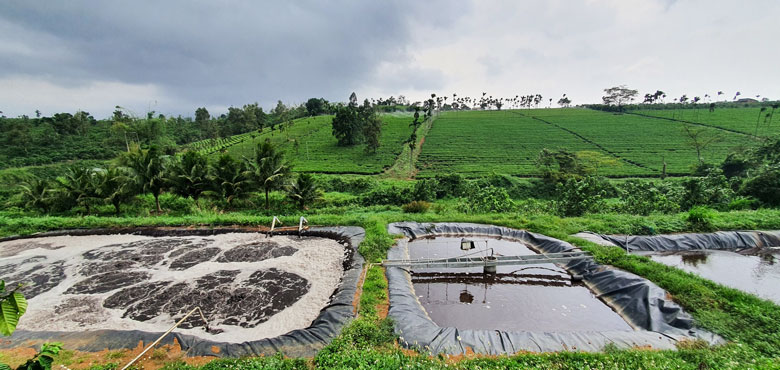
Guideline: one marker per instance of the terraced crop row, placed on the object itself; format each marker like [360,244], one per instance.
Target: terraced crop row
[750,121]
[209,146]
[480,142]
[311,147]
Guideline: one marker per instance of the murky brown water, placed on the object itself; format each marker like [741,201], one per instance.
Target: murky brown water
[756,274]
[517,298]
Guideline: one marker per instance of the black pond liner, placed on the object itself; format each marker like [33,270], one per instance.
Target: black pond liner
[721,240]
[297,343]
[659,322]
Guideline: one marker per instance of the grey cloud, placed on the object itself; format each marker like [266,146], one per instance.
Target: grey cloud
[220,53]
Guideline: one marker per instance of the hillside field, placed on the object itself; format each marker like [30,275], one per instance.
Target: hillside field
[311,146]
[477,143]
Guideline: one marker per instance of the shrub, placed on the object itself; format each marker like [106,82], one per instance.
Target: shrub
[353,185]
[701,218]
[425,190]
[765,186]
[575,196]
[743,203]
[392,194]
[451,185]
[644,197]
[417,206]
[487,200]
[712,190]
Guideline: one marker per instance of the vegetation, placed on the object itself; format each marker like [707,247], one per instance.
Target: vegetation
[469,163]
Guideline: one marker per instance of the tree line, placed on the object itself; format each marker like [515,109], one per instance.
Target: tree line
[188,175]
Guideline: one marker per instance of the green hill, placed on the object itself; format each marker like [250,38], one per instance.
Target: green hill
[480,142]
[311,146]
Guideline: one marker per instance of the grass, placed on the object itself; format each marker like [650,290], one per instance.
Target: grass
[310,145]
[738,119]
[477,143]
[752,324]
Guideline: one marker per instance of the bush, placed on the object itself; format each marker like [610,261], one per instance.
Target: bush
[576,196]
[392,194]
[417,206]
[765,186]
[644,197]
[488,199]
[425,190]
[712,190]
[701,218]
[355,185]
[452,185]
[743,203]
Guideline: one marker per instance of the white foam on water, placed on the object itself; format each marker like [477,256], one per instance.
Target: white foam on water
[318,260]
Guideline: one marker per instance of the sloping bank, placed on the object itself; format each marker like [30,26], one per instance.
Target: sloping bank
[297,343]
[659,322]
[721,240]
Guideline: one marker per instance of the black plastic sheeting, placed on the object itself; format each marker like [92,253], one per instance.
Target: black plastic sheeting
[726,240]
[297,343]
[659,322]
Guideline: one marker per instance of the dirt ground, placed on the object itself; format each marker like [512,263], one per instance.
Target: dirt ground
[78,360]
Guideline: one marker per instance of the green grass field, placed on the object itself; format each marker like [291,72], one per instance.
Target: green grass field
[750,120]
[316,149]
[480,142]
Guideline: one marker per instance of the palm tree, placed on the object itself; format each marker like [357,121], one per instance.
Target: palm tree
[116,186]
[268,169]
[304,190]
[80,185]
[36,193]
[228,179]
[148,168]
[188,176]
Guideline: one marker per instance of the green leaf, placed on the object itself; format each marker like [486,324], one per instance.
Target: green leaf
[5,367]
[11,309]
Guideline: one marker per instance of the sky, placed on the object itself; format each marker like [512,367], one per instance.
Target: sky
[176,55]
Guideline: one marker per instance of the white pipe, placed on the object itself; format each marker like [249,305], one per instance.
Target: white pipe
[300,225]
[273,225]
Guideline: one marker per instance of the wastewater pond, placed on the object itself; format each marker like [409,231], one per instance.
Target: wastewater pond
[248,286]
[753,271]
[516,298]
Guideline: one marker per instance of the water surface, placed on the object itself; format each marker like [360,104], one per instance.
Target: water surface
[516,298]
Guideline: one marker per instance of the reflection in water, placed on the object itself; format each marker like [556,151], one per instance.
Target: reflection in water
[752,271]
[694,259]
[466,297]
[532,297]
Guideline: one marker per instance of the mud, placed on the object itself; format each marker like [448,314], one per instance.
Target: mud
[516,298]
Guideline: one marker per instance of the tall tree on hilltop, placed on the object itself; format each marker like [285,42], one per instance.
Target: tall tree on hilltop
[618,95]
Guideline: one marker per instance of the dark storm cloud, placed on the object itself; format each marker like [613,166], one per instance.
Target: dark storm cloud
[219,53]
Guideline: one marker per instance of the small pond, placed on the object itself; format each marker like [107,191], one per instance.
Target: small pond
[516,298]
[750,271]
